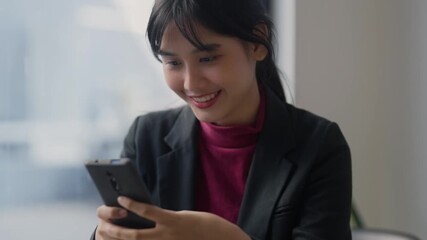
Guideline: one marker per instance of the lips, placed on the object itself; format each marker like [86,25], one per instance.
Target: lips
[205,98]
[205,101]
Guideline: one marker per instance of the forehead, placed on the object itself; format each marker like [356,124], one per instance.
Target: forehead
[173,38]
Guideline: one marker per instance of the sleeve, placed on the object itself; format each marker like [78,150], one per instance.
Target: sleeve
[129,143]
[326,207]
[93,235]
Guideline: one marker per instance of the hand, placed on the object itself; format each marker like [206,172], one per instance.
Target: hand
[106,215]
[170,225]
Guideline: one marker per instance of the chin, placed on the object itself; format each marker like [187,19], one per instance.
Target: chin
[205,117]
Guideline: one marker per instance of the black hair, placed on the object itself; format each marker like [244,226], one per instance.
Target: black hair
[235,18]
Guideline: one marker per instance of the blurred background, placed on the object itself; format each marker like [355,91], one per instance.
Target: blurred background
[74,74]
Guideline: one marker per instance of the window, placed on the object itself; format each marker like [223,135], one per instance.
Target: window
[73,75]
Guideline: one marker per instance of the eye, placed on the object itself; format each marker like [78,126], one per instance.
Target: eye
[173,63]
[208,59]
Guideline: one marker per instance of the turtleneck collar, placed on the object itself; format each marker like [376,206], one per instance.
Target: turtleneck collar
[235,136]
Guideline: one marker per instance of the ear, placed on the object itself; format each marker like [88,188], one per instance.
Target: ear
[258,50]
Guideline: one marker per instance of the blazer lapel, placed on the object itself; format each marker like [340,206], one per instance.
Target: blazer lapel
[270,170]
[268,176]
[177,167]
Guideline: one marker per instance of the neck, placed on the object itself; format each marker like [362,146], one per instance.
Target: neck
[249,110]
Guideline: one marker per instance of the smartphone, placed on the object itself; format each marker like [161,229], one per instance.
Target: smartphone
[118,177]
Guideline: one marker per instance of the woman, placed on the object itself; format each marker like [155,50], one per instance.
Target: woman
[237,162]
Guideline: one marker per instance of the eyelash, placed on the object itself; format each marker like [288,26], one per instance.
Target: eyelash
[209,59]
[175,64]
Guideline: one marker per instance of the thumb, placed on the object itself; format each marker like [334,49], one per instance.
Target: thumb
[145,210]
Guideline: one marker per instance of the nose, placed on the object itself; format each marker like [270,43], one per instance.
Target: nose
[193,79]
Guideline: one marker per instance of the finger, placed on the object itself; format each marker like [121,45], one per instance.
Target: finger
[148,211]
[117,232]
[101,232]
[107,213]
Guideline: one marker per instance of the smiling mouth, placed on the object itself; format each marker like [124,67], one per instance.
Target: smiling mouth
[205,101]
[205,98]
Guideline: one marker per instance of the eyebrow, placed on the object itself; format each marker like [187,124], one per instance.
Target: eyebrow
[206,48]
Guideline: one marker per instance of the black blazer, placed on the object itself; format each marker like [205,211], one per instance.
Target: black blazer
[299,185]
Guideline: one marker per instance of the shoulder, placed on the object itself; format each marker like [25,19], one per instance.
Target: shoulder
[157,121]
[304,118]
[299,125]
[315,134]
[163,116]
[323,172]
[148,131]
[153,125]
[310,125]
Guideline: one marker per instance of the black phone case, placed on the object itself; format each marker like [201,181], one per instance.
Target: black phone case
[118,177]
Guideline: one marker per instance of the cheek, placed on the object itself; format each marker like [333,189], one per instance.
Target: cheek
[232,74]
[215,75]
[223,74]
[174,82]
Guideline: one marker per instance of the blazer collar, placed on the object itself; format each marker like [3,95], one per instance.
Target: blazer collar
[270,169]
[268,176]
[177,167]
[184,129]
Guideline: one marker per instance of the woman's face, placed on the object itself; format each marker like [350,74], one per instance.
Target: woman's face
[220,84]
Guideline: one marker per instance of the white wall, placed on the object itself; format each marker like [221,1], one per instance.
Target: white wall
[363,64]
[284,17]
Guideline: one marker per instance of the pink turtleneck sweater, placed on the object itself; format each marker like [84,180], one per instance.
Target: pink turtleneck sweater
[225,158]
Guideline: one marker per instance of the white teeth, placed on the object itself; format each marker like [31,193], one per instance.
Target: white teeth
[204,98]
